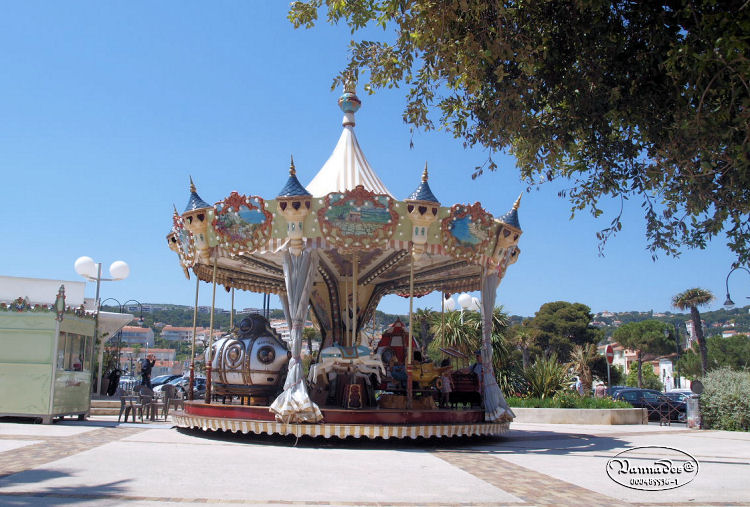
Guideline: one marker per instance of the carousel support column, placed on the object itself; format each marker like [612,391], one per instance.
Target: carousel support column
[207,353]
[409,351]
[355,274]
[231,313]
[495,406]
[191,383]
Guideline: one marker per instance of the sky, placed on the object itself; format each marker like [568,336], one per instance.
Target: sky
[107,108]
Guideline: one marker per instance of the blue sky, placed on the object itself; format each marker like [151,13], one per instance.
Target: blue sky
[107,107]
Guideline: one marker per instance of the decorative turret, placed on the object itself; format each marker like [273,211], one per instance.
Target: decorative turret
[196,219]
[510,229]
[172,238]
[422,207]
[294,205]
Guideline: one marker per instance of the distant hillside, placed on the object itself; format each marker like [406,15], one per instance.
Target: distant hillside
[182,316]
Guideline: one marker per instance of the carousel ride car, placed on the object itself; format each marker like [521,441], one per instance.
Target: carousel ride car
[337,246]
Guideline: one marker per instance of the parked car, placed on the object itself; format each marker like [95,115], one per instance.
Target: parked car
[128,382]
[163,379]
[182,383]
[657,405]
[678,396]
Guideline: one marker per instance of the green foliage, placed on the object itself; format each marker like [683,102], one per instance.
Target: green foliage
[732,352]
[650,379]
[623,99]
[546,376]
[566,400]
[645,337]
[599,371]
[561,325]
[466,336]
[725,402]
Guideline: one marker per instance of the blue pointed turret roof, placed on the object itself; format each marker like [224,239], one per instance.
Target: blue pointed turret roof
[511,217]
[195,202]
[293,187]
[423,192]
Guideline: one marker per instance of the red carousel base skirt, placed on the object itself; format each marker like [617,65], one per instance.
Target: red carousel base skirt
[372,423]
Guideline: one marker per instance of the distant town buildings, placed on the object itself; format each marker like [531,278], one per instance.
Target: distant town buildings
[165,361]
[133,335]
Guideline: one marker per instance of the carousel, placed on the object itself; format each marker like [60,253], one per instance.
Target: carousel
[330,251]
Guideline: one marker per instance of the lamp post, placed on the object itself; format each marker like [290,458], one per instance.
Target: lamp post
[729,303]
[121,309]
[92,271]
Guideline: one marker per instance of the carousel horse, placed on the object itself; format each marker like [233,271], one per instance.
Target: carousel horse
[359,360]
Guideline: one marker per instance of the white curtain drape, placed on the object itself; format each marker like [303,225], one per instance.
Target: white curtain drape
[294,405]
[495,406]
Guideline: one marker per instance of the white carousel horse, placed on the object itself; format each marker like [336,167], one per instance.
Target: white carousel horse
[358,360]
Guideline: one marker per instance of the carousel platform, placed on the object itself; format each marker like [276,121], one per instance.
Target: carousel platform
[341,423]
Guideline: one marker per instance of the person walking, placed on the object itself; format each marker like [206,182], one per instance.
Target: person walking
[147,364]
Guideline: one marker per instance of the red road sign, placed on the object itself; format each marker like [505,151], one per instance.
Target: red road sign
[609,354]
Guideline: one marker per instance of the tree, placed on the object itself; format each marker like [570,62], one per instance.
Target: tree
[732,352]
[625,99]
[561,325]
[650,380]
[581,359]
[423,318]
[692,299]
[310,334]
[645,337]
[524,337]
[464,333]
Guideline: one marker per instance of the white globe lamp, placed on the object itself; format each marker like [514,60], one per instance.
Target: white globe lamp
[86,267]
[449,304]
[119,270]
[464,300]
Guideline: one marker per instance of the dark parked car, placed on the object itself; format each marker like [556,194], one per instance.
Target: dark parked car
[163,379]
[658,406]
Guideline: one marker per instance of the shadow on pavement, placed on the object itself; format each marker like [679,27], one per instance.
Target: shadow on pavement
[513,442]
[57,495]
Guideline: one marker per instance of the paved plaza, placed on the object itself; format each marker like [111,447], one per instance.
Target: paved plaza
[101,462]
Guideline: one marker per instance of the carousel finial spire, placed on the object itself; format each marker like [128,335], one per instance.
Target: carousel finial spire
[424,174]
[349,103]
[192,185]
[292,170]
[518,201]
[175,210]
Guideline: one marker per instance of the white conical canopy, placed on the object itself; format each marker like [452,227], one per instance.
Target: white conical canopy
[347,166]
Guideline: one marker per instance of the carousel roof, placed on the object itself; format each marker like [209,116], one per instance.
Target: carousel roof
[347,166]
[423,192]
[195,202]
[362,236]
[293,187]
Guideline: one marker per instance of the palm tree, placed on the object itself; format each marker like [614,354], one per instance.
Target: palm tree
[581,358]
[524,337]
[693,298]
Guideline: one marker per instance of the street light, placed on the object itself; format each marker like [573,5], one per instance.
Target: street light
[92,271]
[121,309]
[729,303]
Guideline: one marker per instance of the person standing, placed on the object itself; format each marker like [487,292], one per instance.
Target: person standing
[147,364]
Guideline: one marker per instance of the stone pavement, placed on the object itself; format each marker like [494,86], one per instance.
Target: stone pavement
[100,462]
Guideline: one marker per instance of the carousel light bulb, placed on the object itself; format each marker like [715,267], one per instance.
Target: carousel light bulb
[86,267]
[464,300]
[119,270]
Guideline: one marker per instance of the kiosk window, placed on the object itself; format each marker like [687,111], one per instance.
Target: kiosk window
[71,355]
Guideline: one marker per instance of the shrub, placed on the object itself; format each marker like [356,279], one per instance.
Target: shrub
[725,402]
[566,400]
[546,376]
